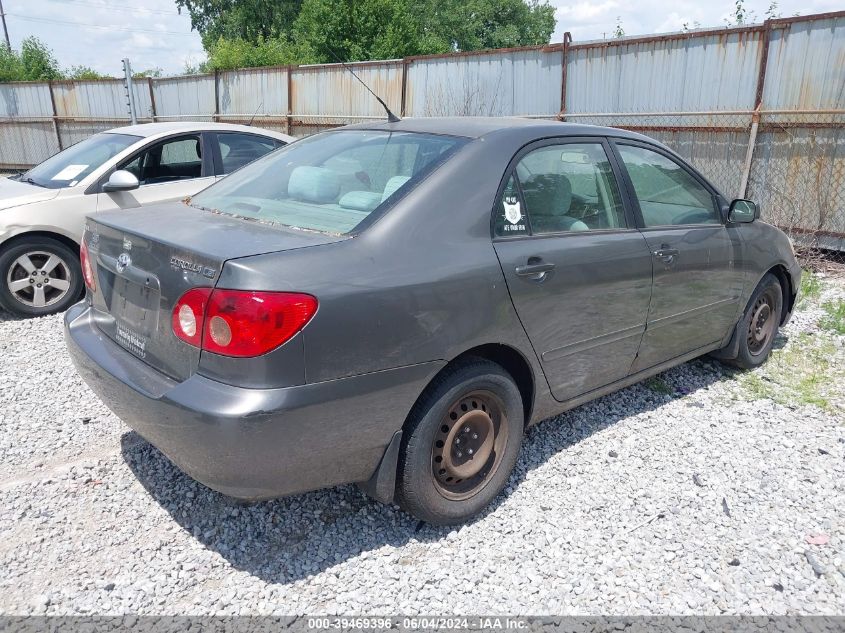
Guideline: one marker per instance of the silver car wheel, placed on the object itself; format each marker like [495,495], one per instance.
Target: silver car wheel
[39,279]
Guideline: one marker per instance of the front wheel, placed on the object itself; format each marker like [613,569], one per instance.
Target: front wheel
[460,444]
[759,325]
[39,276]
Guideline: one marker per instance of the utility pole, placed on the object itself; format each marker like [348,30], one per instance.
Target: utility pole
[5,30]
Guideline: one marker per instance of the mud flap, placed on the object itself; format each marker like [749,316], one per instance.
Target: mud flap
[382,485]
[731,349]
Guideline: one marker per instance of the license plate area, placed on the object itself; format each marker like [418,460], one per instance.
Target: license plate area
[135,306]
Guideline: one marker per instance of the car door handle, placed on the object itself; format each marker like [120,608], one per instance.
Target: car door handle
[666,255]
[536,268]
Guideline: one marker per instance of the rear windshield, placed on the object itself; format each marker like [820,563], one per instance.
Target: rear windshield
[329,182]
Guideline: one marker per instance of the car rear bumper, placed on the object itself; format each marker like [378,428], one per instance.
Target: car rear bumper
[250,443]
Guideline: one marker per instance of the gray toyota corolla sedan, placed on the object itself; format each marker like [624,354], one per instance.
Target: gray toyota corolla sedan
[392,304]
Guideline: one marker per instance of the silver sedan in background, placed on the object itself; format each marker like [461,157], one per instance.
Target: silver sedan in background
[42,211]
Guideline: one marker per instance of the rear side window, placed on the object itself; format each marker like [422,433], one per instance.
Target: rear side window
[667,193]
[329,182]
[563,188]
[174,159]
[237,150]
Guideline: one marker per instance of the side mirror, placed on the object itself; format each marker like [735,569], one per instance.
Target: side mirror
[743,211]
[121,180]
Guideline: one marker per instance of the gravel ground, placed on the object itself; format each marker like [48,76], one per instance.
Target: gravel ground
[685,494]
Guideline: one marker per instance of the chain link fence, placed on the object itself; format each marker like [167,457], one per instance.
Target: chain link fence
[792,163]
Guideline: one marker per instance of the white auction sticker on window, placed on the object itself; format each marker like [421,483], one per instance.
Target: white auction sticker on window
[70,172]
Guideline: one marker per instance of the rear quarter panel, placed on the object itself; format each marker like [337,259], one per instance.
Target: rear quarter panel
[421,284]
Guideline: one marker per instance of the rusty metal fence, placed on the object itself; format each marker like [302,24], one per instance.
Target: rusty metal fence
[759,109]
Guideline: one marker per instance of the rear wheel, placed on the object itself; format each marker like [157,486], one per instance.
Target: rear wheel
[759,325]
[461,443]
[39,276]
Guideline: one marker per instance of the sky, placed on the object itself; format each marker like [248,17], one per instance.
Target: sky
[99,33]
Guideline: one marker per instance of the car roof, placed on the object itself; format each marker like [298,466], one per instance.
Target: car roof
[148,130]
[477,127]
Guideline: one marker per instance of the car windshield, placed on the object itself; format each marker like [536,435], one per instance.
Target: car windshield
[329,182]
[68,167]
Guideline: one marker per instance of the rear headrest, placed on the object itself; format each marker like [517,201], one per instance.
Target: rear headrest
[393,185]
[548,194]
[314,184]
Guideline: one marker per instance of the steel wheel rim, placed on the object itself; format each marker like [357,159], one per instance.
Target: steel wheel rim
[39,279]
[469,444]
[762,325]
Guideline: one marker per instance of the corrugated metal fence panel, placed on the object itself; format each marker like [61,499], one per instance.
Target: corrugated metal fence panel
[719,155]
[187,98]
[100,99]
[806,66]
[25,100]
[691,73]
[253,90]
[331,90]
[503,83]
[23,143]
[74,131]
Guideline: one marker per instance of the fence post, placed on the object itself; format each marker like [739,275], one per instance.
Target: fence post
[567,40]
[216,116]
[55,115]
[290,101]
[402,106]
[152,99]
[758,105]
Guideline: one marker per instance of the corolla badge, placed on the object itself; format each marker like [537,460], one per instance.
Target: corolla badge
[123,262]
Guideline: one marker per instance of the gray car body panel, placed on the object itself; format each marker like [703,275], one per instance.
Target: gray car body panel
[419,287]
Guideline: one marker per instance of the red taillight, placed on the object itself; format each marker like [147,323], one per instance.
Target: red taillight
[87,267]
[189,315]
[240,323]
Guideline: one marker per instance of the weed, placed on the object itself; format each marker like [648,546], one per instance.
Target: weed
[658,385]
[811,288]
[834,319]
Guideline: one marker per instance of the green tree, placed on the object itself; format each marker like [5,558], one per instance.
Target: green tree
[226,54]
[148,72]
[38,61]
[241,19]
[34,62]
[84,72]
[240,33]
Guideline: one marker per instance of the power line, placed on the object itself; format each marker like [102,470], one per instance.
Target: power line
[97,26]
[110,7]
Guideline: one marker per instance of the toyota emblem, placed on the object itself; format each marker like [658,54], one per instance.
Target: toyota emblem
[123,262]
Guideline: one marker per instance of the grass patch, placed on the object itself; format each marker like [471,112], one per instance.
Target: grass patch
[658,385]
[811,288]
[834,318]
[804,372]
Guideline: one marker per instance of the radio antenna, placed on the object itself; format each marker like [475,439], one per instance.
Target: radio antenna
[254,114]
[392,118]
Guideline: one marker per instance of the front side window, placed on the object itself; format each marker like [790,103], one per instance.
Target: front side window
[668,194]
[174,159]
[564,188]
[329,182]
[237,150]
[69,167]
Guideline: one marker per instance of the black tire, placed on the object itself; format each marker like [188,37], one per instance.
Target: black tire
[759,324]
[18,286]
[491,418]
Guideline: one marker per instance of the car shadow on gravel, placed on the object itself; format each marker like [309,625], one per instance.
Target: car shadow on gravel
[291,538]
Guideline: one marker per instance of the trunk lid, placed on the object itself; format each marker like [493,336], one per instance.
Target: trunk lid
[146,259]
